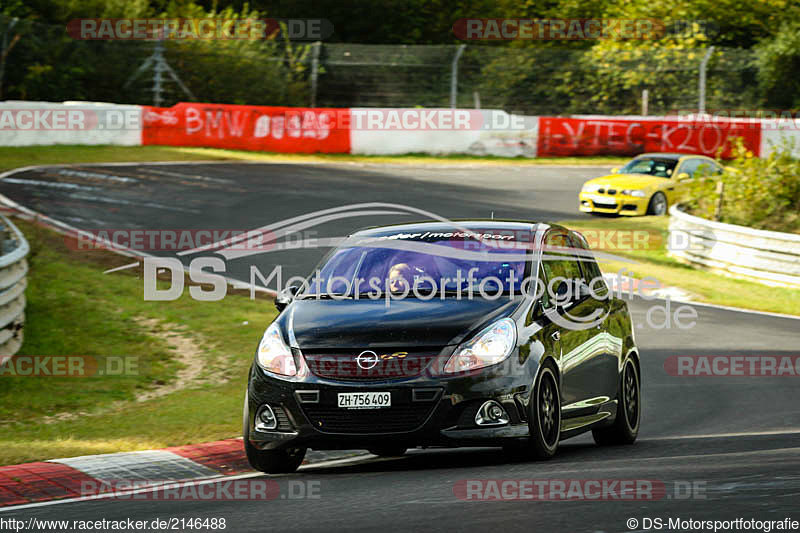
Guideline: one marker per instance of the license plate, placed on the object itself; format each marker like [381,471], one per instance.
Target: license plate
[603,200]
[364,400]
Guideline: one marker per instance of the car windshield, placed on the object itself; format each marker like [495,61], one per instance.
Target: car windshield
[651,166]
[431,262]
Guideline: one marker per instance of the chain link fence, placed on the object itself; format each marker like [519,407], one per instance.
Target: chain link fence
[41,62]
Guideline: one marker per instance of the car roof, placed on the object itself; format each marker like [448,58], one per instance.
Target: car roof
[668,155]
[470,224]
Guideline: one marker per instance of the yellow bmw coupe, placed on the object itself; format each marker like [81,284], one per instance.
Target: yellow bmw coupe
[647,185]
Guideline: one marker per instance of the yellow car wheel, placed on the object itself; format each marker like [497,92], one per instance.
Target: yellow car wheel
[657,205]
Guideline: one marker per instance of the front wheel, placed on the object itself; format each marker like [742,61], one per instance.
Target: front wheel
[657,205]
[269,461]
[629,411]
[545,415]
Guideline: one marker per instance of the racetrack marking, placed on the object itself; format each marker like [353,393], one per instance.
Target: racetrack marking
[727,435]
[581,468]
[123,267]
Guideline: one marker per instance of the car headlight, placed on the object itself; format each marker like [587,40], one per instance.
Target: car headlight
[590,187]
[273,354]
[489,347]
[634,192]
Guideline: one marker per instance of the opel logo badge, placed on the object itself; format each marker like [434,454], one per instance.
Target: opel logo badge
[367,359]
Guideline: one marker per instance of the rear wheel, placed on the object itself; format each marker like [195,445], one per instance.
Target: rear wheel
[629,410]
[545,415]
[387,451]
[270,461]
[657,205]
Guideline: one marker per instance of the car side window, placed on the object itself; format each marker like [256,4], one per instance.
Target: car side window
[689,166]
[591,271]
[707,168]
[558,263]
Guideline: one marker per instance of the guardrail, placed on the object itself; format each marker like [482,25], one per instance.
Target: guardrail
[13,269]
[769,257]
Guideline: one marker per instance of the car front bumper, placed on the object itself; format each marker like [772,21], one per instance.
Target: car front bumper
[617,204]
[426,411]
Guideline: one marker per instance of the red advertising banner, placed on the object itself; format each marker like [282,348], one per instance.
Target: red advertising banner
[239,127]
[607,136]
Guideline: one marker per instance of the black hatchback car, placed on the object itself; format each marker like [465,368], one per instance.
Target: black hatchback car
[468,333]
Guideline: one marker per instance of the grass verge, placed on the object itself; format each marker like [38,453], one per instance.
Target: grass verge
[73,308]
[704,286]
[14,157]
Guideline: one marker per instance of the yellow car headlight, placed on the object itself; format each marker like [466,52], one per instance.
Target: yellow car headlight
[590,187]
[634,192]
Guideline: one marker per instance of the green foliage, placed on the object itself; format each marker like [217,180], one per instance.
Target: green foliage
[762,193]
[778,61]
[755,63]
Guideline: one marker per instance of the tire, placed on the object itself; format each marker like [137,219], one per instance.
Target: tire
[629,411]
[545,415]
[282,461]
[657,205]
[387,451]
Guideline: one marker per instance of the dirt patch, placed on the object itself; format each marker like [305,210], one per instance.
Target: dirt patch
[187,352]
[186,349]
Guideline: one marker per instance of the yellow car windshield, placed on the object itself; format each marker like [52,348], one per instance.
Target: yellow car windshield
[661,168]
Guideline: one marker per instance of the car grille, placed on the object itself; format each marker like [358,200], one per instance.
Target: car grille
[283,420]
[392,363]
[404,415]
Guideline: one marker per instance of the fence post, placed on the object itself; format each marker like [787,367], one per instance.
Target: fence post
[701,89]
[454,75]
[315,71]
[6,48]
[645,96]
[720,190]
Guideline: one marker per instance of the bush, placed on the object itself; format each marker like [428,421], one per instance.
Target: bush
[761,193]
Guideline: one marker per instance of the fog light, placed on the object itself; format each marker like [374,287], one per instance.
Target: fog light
[266,419]
[491,413]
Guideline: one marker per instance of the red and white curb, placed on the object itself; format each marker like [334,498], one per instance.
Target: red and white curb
[126,473]
[65,478]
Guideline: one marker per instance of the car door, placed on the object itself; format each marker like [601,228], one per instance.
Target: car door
[682,177]
[579,318]
[598,371]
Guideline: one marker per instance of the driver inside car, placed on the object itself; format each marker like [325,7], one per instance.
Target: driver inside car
[400,277]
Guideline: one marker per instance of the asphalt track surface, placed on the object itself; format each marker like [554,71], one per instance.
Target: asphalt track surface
[735,439]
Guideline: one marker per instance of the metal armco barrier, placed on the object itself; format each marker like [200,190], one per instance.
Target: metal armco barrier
[13,269]
[769,257]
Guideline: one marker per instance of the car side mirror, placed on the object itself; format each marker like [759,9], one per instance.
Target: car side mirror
[615,170]
[285,297]
[565,296]
[683,176]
